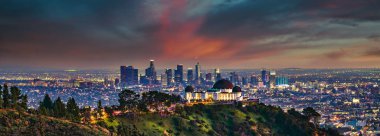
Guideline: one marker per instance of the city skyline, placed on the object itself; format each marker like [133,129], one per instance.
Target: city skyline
[224,34]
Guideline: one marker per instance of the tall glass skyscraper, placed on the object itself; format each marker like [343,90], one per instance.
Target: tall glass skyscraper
[190,75]
[198,73]
[128,75]
[179,74]
[264,76]
[151,73]
[169,76]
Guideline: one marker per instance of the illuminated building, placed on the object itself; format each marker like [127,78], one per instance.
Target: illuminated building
[254,80]
[151,73]
[169,76]
[234,78]
[282,81]
[222,90]
[164,79]
[128,75]
[208,77]
[218,75]
[198,73]
[178,73]
[260,83]
[123,74]
[264,77]
[117,81]
[272,79]
[355,100]
[190,75]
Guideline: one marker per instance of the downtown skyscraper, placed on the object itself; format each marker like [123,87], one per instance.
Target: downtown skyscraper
[190,75]
[217,75]
[151,74]
[178,74]
[264,77]
[128,75]
[169,77]
[272,79]
[197,73]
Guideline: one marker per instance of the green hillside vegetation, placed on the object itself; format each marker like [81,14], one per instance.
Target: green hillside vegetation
[197,120]
[13,122]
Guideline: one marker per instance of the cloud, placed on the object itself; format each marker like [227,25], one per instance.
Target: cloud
[83,33]
[374,37]
[336,54]
[373,52]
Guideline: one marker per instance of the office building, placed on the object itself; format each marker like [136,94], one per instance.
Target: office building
[151,73]
[218,75]
[222,90]
[198,73]
[129,75]
[190,75]
[179,74]
[272,79]
[169,76]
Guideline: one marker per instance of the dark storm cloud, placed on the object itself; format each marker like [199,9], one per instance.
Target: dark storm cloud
[308,21]
[72,30]
[83,32]
[258,18]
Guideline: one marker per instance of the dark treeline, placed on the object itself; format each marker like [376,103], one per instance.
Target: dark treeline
[11,98]
[59,109]
[154,101]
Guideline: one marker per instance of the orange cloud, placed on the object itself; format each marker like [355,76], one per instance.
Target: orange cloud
[180,39]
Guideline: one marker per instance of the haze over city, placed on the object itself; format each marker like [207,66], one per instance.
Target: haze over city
[236,34]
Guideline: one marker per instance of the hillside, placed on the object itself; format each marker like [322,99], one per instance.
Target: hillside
[200,120]
[196,120]
[13,122]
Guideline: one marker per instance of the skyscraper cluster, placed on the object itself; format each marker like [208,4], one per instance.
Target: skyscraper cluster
[130,76]
[194,76]
[269,79]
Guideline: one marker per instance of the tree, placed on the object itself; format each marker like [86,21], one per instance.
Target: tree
[1,100]
[47,102]
[24,102]
[128,100]
[99,110]
[46,106]
[296,114]
[310,113]
[128,130]
[59,108]
[157,100]
[86,113]
[15,96]
[6,96]
[142,106]
[73,110]
[109,112]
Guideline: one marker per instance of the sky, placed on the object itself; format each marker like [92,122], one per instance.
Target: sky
[236,34]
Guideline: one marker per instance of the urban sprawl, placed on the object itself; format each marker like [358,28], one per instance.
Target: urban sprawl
[348,99]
